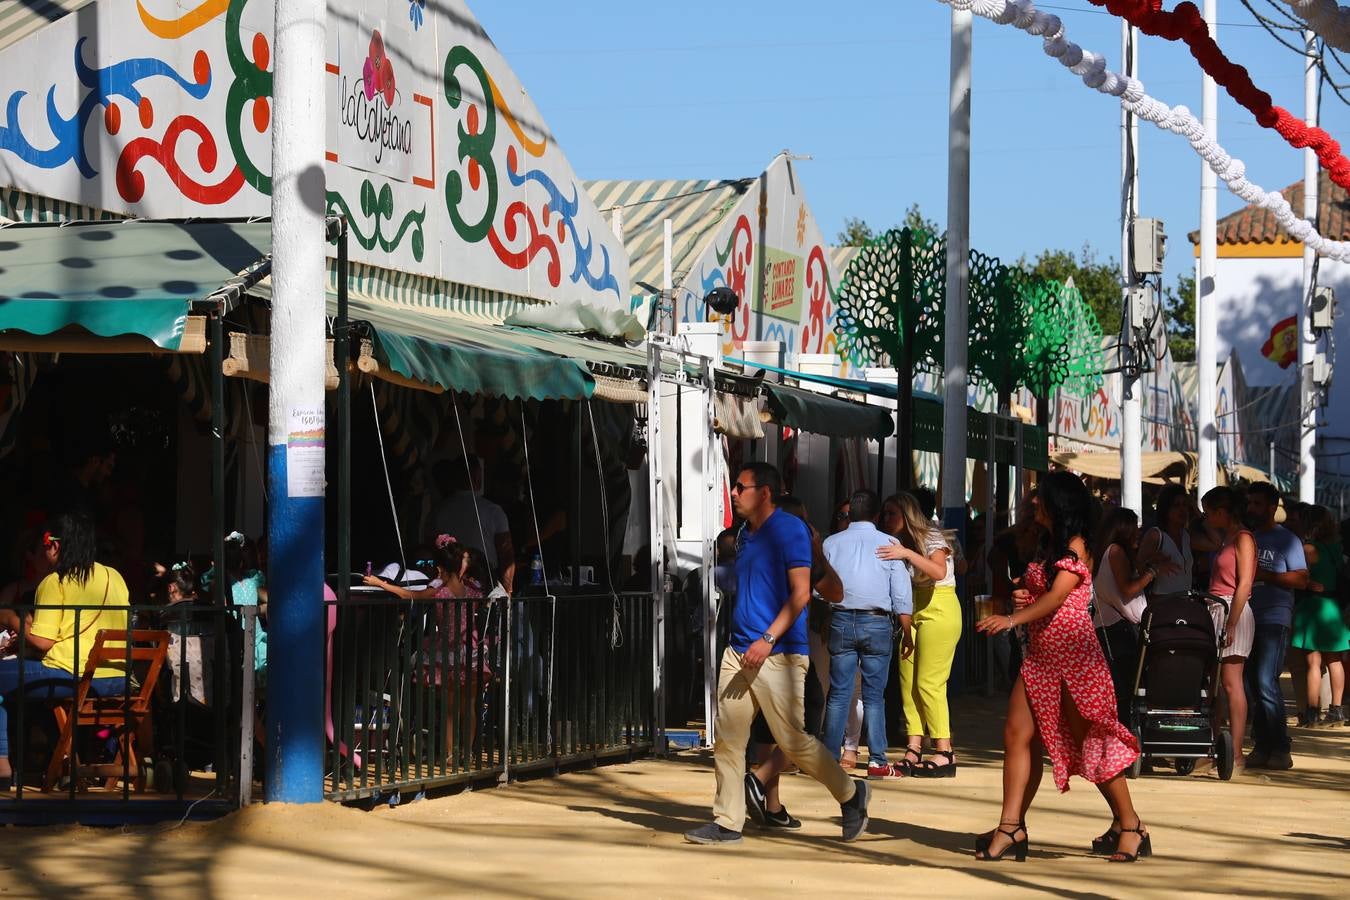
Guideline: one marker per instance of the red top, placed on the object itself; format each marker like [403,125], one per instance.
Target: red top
[1223,577]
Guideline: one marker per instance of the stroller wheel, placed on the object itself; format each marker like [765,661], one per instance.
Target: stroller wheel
[1185,766]
[1225,754]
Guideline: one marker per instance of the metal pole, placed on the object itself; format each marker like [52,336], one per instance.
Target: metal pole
[1207,322]
[295,737]
[342,350]
[904,369]
[218,586]
[1131,410]
[1272,462]
[667,272]
[658,549]
[1307,344]
[711,496]
[958,276]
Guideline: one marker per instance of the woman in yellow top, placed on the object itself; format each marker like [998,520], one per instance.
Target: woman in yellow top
[73,604]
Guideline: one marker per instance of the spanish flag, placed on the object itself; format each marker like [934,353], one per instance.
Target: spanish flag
[1281,347]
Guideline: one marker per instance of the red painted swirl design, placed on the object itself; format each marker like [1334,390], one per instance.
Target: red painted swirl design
[131,182]
[539,241]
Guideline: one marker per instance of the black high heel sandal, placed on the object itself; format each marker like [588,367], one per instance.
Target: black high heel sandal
[1107,843]
[907,768]
[1017,848]
[930,769]
[1145,846]
[982,841]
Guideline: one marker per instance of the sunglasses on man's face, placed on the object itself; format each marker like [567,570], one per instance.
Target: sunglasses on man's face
[739,488]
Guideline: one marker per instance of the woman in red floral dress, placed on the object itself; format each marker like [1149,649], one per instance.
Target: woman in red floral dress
[1063,704]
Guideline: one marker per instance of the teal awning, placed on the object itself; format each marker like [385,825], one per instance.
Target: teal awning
[111,279]
[823,414]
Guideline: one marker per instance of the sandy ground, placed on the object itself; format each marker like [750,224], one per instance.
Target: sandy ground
[617,831]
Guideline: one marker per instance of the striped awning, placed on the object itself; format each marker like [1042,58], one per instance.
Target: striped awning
[20,18]
[694,207]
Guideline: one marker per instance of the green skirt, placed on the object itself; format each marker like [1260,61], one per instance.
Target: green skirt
[1319,626]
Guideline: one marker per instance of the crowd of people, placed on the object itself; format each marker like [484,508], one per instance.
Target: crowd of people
[816,626]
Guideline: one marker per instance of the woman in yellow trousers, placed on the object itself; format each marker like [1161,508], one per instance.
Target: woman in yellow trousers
[937,630]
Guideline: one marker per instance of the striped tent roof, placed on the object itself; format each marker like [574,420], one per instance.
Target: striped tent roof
[840,257]
[696,208]
[20,18]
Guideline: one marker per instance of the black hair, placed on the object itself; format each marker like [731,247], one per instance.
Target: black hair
[1068,504]
[241,558]
[864,506]
[184,577]
[1224,498]
[1168,497]
[461,477]
[927,501]
[1264,489]
[1113,529]
[77,546]
[793,506]
[450,557]
[765,476]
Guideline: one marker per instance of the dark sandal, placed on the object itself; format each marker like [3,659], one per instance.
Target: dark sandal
[1017,848]
[1145,846]
[930,769]
[907,768]
[983,841]
[1107,843]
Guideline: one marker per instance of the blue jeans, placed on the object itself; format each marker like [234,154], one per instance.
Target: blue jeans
[858,639]
[1265,700]
[41,683]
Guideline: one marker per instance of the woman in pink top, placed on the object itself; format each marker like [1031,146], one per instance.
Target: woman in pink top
[1232,574]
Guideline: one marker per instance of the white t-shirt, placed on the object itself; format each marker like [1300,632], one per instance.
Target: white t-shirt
[456,518]
[937,540]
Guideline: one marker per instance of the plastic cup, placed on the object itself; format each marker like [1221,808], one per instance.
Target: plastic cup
[984,606]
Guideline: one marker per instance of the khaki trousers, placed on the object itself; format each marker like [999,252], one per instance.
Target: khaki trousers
[778,689]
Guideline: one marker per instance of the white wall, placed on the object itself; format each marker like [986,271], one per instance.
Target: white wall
[1254,294]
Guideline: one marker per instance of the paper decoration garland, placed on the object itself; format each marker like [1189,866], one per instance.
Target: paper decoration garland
[1091,67]
[1329,20]
[1186,24]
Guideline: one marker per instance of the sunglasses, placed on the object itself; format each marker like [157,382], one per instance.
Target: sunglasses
[840,516]
[739,488]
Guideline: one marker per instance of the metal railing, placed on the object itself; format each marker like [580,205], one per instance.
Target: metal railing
[136,752]
[424,694]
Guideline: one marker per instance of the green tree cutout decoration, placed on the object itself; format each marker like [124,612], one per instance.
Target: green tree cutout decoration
[1064,342]
[894,288]
[999,325]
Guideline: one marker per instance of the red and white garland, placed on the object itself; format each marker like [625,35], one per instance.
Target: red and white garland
[1091,67]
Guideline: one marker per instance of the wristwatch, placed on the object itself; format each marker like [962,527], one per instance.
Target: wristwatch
[767,638]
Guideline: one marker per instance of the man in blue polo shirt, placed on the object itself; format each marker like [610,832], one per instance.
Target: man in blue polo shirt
[1281,569]
[764,668]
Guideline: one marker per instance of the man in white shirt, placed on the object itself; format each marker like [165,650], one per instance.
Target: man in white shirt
[477,522]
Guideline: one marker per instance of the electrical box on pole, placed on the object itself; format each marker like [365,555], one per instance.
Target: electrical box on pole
[1140,299]
[1149,246]
[1321,370]
[1323,312]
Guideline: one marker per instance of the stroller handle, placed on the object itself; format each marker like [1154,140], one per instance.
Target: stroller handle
[1197,597]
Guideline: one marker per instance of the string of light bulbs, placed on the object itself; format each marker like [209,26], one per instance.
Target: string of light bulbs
[1091,68]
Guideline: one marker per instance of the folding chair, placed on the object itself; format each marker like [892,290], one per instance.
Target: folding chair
[121,714]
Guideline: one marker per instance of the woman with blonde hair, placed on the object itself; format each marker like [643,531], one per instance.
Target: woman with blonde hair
[937,630]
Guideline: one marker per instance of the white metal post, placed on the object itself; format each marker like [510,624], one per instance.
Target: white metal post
[957,334]
[667,271]
[711,501]
[1131,409]
[1307,343]
[656,489]
[1207,322]
[295,729]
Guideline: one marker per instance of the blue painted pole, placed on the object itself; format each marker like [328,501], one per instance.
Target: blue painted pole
[296,425]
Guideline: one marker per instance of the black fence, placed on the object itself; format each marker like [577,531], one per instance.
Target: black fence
[161,736]
[424,694]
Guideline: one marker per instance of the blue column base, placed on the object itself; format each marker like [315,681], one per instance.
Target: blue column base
[295,641]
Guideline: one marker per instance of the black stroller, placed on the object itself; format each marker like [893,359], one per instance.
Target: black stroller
[1177,681]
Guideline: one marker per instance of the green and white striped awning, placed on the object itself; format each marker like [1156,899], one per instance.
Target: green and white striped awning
[694,207]
[20,18]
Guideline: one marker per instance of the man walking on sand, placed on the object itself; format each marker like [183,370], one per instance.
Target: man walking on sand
[764,668]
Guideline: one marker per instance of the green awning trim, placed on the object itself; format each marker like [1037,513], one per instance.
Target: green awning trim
[823,414]
[119,278]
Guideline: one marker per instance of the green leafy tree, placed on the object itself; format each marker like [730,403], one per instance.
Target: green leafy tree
[916,221]
[1179,305]
[856,233]
[1098,282]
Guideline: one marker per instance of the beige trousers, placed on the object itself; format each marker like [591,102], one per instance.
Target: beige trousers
[778,689]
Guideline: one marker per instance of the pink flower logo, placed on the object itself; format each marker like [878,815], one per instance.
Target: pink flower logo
[377,75]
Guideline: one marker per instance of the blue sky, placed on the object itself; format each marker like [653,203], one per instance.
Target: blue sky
[714,89]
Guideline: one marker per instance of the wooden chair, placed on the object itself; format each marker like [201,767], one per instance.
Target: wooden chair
[123,715]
